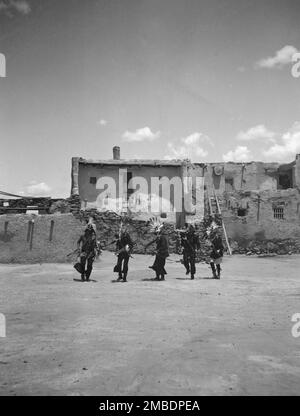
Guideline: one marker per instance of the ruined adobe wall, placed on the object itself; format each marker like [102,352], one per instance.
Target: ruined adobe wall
[248,194]
[258,230]
[297,172]
[14,244]
[244,176]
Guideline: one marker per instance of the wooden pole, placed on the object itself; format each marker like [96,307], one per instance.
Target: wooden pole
[51,230]
[28,231]
[209,203]
[31,234]
[223,225]
[5,228]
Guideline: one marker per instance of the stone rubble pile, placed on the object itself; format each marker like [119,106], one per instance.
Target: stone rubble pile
[267,247]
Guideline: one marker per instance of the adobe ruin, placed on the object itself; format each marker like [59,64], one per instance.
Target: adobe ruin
[259,201]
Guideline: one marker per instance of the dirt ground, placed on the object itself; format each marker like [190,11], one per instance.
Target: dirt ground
[178,337]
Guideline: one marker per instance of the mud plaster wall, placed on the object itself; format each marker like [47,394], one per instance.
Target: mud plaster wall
[259,223]
[247,176]
[90,192]
[196,172]
[14,247]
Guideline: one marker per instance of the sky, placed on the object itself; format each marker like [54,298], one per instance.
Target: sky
[209,80]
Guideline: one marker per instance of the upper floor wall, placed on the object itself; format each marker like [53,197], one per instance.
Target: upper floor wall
[230,176]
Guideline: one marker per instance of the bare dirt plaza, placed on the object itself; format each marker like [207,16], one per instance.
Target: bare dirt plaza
[178,337]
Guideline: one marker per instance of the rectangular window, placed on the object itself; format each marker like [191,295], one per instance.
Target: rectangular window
[93,180]
[278,213]
[242,212]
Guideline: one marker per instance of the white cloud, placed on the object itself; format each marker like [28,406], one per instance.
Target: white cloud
[287,148]
[20,6]
[258,132]
[196,138]
[102,122]
[239,154]
[190,147]
[140,135]
[283,56]
[38,189]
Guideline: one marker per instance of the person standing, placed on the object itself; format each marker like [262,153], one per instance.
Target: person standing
[190,243]
[162,252]
[124,246]
[216,255]
[87,246]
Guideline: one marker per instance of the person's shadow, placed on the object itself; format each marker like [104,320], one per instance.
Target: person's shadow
[196,278]
[83,281]
[150,279]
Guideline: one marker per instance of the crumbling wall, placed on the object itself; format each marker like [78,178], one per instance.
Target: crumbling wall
[297,172]
[251,224]
[229,177]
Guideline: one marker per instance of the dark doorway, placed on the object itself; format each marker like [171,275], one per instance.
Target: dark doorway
[285,181]
[130,190]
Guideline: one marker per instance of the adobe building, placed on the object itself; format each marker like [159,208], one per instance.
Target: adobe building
[115,185]
[258,201]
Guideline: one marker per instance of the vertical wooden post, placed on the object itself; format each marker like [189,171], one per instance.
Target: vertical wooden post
[5,228]
[28,231]
[51,230]
[31,234]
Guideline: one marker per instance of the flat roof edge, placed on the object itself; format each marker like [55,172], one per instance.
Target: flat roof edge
[135,162]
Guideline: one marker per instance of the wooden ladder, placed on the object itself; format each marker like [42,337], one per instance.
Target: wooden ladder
[214,207]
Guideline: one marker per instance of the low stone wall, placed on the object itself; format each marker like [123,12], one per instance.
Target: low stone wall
[16,245]
[281,247]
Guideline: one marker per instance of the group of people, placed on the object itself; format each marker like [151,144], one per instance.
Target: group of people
[89,248]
